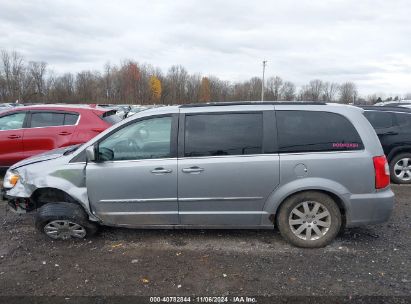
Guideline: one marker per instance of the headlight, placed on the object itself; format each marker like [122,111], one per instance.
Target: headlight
[10,179]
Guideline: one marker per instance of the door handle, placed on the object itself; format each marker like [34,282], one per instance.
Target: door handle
[194,169]
[98,130]
[13,136]
[64,133]
[161,171]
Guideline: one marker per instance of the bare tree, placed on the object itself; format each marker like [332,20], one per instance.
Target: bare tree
[348,93]
[330,90]
[13,70]
[176,81]
[38,72]
[274,85]
[288,91]
[314,90]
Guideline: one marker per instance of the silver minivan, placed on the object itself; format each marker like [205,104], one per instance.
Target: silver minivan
[309,169]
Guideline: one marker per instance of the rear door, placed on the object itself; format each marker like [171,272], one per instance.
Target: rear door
[48,130]
[11,138]
[226,168]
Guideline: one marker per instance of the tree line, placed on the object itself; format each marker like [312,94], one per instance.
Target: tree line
[133,83]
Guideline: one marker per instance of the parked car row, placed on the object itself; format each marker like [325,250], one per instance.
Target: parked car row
[30,130]
[124,111]
[310,169]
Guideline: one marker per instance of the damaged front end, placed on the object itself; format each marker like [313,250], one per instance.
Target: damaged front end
[47,178]
[19,205]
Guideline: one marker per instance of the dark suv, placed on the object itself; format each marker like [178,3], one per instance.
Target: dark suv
[393,127]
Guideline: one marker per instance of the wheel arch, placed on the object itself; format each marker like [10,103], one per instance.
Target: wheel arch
[338,200]
[45,195]
[398,150]
[335,190]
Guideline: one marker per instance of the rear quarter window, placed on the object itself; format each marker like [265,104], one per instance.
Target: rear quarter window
[314,131]
[70,119]
[404,121]
[379,120]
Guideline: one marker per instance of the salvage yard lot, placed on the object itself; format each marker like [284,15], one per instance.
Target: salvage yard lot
[372,260]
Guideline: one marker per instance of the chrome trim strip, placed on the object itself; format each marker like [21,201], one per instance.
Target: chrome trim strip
[140,200]
[201,199]
[137,213]
[182,212]
[221,212]
[227,156]
[174,199]
[133,160]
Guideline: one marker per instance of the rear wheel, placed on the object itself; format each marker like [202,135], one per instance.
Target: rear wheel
[309,219]
[63,221]
[400,169]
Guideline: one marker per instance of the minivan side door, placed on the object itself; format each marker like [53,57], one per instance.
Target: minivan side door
[133,181]
[11,138]
[226,168]
[47,130]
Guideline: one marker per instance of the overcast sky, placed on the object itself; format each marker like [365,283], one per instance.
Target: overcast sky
[365,41]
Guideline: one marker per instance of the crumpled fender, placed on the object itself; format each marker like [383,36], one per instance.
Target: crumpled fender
[69,178]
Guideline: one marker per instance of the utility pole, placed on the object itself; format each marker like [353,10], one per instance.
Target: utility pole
[262,83]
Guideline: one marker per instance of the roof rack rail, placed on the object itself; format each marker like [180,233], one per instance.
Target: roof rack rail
[241,103]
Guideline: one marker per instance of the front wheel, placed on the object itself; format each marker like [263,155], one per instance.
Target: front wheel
[63,221]
[309,219]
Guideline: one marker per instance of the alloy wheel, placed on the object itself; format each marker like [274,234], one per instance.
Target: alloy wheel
[402,169]
[64,229]
[310,220]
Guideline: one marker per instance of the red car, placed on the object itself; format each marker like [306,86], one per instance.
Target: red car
[27,131]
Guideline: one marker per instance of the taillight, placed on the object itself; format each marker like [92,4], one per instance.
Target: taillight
[382,172]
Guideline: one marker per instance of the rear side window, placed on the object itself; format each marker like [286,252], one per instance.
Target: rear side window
[46,119]
[379,120]
[310,131]
[223,134]
[404,121]
[70,119]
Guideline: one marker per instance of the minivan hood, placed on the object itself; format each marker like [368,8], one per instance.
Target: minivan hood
[52,154]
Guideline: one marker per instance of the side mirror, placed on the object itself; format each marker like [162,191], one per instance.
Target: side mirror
[90,154]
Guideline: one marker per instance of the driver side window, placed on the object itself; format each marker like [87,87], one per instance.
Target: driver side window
[146,139]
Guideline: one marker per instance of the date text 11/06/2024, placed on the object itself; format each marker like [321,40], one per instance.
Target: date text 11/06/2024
[233,299]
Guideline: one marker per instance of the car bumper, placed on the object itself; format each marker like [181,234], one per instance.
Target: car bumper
[371,208]
[3,195]
[16,204]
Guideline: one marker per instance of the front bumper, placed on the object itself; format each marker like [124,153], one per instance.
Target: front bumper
[373,208]
[3,195]
[17,204]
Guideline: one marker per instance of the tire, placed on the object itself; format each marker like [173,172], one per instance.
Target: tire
[67,220]
[393,173]
[294,226]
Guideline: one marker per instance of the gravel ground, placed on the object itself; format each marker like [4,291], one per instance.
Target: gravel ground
[372,260]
